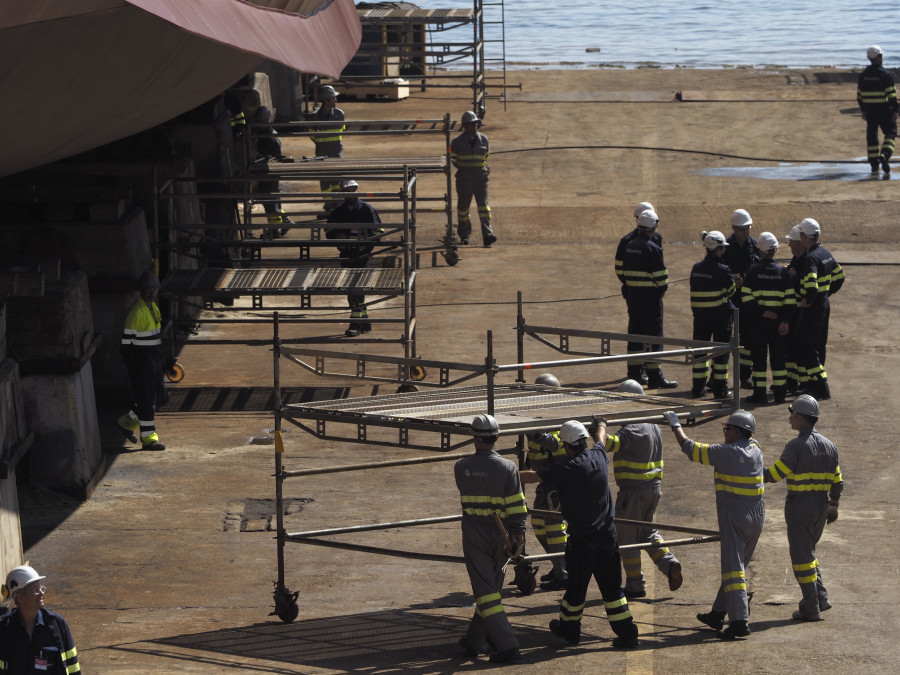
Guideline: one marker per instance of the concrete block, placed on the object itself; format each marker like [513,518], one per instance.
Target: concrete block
[62,411]
[12,552]
[12,405]
[110,374]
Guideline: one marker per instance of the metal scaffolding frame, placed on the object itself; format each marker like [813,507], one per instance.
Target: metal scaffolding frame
[448,411]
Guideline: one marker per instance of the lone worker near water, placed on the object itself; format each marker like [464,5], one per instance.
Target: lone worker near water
[877,99]
[810,466]
[489,483]
[592,548]
[469,153]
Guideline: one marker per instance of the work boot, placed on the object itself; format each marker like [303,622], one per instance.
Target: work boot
[633,594]
[573,637]
[823,390]
[353,330]
[885,166]
[550,576]
[642,378]
[675,576]
[797,616]
[698,392]
[489,240]
[625,642]
[722,392]
[152,445]
[779,394]
[127,425]
[506,656]
[746,383]
[713,619]
[874,166]
[658,381]
[365,326]
[790,386]
[736,629]
[555,584]
[759,396]
[470,649]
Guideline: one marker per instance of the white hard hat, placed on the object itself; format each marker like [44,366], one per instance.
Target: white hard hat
[548,379]
[794,234]
[327,91]
[741,218]
[874,52]
[643,206]
[350,183]
[485,426]
[17,579]
[713,240]
[766,242]
[805,405]
[648,220]
[630,387]
[742,420]
[468,117]
[809,227]
[571,432]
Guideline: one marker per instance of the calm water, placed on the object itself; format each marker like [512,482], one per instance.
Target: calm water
[682,33]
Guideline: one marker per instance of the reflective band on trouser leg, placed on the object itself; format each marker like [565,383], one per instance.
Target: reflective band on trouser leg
[720,371]
[806,573]
[484,212]
[488,605]
[273,218]
[569,613]
[734,581]
[617,610]
[634,580]
[872,151]
[148,431]
[699,372]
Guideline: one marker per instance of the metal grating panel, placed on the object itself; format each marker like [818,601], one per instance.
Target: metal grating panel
[282,281]
[349,166]
[415,15]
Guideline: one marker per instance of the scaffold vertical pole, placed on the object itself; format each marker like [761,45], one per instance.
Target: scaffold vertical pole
[736,359]
[279,480]
[520,336]
[489,371]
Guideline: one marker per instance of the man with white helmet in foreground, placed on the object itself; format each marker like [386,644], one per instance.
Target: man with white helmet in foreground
[489,483]
[637,454]
[32,638]
[811,468]
[469,153]
[738,464]
[877,99]
[592,549]
[769,304]
[712,288]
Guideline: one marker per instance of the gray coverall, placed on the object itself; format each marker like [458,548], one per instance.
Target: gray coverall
[741,513]
[470,159]
[488,482]
[810,465]
[638,463]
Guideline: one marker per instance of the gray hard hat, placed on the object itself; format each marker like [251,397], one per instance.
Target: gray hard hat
[572,431]
[468,117]
[547,378]
[327,91]
[485,426]
[630,387]
[742,420]
[349,183]
[805,405]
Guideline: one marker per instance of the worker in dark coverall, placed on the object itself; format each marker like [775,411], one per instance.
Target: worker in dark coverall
[640,267]
[798,250]
[742,252]
[740,509]
[142,351]
[769,304]
[489,483]
[811,468]
[360,242]
[268,147]
[820,276]
[592,549]
[637,454]
[877,99]
[712,288]
[32,638]
[469,153]
[329,138]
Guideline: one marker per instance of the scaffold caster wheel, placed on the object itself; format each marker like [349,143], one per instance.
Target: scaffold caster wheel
[452,257]
[526,578]
[286,604]
[175,372]
[407,389]
[417,373]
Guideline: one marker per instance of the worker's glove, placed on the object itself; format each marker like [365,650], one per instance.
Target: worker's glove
[832,513]
[672,419]
[518,542]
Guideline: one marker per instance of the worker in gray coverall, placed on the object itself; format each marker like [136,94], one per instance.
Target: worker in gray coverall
[487,483]
[810,465]
[741,512]
[469,153]
[637,457]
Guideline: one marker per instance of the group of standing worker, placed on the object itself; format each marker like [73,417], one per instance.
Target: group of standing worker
[784,311]
[576,484]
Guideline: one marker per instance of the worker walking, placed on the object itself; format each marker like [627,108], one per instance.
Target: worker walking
[268,148]
[469,153]
[489,483]
[769,303]
[33,638]
[642,270]
[712,287]
[637,454]
[142,350]
[358,246]
[592,549]
[742,252]
[820,276]
[811,468]
[329,138]
[741,513]
[877,99]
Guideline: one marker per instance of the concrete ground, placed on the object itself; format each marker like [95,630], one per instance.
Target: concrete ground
[169,566]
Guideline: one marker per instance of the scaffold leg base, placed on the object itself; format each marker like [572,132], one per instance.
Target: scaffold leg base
[286,607]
